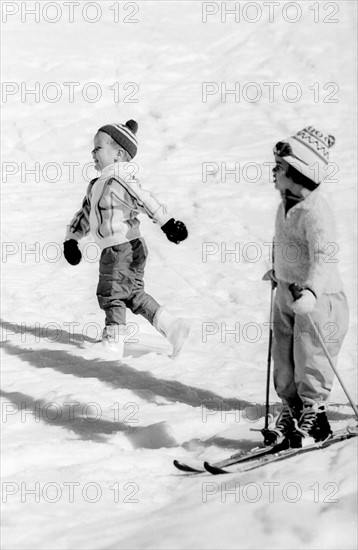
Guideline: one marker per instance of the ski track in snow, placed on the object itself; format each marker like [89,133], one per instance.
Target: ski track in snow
[114,429]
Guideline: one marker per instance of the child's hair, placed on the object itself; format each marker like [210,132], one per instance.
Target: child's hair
[297,177]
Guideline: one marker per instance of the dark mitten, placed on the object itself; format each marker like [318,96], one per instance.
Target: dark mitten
[72,252]
[175,231]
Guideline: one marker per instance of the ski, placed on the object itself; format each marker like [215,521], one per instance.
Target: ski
[275,455]
[186,468]
[233,459]
[260,456]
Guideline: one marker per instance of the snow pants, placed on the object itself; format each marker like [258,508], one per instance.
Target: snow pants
[302,372]
[121,285]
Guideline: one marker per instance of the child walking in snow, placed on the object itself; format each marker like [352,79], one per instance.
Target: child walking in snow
[110,212]
[304,230]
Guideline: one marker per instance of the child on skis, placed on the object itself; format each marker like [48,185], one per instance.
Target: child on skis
[304,230]
[110,212]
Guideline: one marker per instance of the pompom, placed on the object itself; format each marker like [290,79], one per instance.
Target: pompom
[331,140]
[132,125]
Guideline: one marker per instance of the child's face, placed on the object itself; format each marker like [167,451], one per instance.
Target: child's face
[104,153]
[282,182]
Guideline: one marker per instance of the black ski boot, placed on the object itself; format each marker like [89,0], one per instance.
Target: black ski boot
[313,424]
[279,434]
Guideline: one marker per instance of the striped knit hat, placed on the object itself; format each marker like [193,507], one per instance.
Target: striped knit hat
[124,135]
[310,153]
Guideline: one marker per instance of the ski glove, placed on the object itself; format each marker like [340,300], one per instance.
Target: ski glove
[305,304]
[72,252]
[175,231]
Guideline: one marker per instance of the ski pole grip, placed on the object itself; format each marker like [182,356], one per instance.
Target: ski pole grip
[295,291]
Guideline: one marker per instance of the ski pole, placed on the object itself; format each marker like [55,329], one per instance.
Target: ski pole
[296,294]
[265,429]
[268,373]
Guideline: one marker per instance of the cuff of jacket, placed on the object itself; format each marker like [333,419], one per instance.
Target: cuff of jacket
[161,217]
[70,235]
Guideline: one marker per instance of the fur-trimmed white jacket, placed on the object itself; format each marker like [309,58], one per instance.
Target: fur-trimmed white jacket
[305,246]
[111,206]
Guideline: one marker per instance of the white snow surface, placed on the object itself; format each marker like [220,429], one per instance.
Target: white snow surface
[95,438]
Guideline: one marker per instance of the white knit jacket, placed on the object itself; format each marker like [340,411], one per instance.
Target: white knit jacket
[111,206]
[305,246]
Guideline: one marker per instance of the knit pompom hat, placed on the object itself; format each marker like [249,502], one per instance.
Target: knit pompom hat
[124,135]
[308,152]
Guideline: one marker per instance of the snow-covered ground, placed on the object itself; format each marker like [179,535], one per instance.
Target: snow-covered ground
[88,444]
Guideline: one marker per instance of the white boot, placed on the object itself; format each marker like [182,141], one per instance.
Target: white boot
[175,329]
[112,343]
[113,339]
